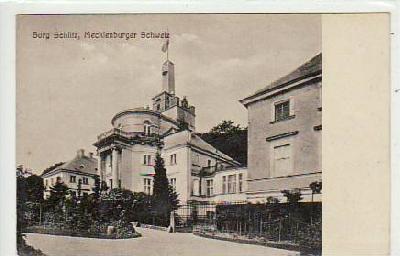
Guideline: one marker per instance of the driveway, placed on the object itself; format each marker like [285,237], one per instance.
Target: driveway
[152,243]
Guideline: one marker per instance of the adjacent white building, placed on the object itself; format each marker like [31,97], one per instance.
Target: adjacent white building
[284,134]
[82,167]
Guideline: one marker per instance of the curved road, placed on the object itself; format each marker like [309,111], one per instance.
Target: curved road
[152,243]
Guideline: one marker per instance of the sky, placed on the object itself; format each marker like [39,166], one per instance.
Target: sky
[68,90]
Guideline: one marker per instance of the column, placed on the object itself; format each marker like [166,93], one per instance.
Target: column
[114,168]
[99,171]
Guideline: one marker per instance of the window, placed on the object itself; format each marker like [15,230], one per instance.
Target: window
[240,182]
[52,181]
[85,180]
[223,184]
[172,182]
[108,164]
[172,159]
[282,161]
[111,184]
[46,182]
[58,179]
[282,111]
[147,128]
[147,159]
[147,186]
[196,159]
[231,183]
[167,102]
[195,187]
[209,163]
[210,215]
[210,187]
[72,179]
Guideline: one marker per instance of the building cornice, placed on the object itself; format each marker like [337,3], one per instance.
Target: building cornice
[283,88]
[207,152]
[285,177]
[143,111]
[281,135]
[51,173]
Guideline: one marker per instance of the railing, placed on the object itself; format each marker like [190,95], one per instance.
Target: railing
[127,135]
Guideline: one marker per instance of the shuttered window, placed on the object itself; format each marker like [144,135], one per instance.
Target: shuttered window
[282,160]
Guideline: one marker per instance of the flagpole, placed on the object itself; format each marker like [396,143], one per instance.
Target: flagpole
[167,44]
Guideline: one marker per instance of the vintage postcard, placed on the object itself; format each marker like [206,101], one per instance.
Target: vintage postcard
[174,134]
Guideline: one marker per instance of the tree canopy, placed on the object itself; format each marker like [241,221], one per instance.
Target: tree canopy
[230,139]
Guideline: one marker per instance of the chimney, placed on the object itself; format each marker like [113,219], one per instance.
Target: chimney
[81,153]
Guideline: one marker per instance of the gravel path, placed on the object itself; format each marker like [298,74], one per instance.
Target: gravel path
[152,243]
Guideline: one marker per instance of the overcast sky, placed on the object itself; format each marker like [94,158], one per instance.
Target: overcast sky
[68,90]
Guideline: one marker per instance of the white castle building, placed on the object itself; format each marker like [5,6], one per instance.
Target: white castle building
[196,170]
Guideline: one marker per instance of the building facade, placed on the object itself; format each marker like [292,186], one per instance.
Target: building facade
[284,134]
[82,168]
[127,152]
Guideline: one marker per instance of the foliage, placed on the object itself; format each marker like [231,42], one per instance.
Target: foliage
[164,199]
[316,187]
[118,205]
[226,127]
[56,202]
[26,189]
[21,200]
[310,237]
[293,196]
[79,188]
[230,139]
[141,207]
[34,188]
[272,200]
[58,194]
[97,187]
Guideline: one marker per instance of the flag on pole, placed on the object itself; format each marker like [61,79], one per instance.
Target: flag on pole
[165,46]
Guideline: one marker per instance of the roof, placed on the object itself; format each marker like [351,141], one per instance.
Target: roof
[310,68]
[186,137]
[80,163]
[200,143]
[142,110]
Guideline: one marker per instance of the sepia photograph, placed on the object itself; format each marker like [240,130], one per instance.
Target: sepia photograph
[169,134]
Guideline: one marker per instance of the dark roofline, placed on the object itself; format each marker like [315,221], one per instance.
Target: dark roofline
[169,94]
[142,111]
[319,72]
[291,81]
[68,170]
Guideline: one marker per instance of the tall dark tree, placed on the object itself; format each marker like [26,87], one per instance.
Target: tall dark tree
[34,188]
[97,187]
[230,139]
[21,207]
[164,199]
[79,188]
[57,196]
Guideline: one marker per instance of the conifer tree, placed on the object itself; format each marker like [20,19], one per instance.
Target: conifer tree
[164,199]
[58,193]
